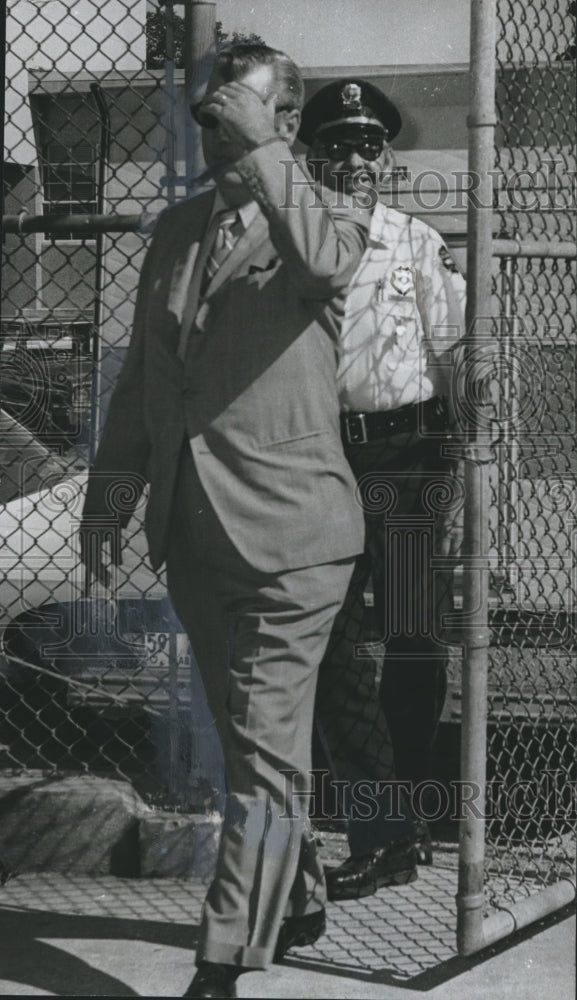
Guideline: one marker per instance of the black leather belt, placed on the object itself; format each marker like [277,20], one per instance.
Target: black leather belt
[359,428]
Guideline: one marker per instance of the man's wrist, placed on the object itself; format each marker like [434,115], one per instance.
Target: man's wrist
[267,141]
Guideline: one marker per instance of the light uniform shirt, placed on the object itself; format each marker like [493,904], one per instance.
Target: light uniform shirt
[404,309]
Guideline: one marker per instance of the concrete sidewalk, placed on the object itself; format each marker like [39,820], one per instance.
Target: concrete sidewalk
[73,935]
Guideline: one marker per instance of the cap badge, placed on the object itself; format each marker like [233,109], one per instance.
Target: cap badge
[402,279]
[351,96]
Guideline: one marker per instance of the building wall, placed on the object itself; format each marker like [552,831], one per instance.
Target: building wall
[69,35]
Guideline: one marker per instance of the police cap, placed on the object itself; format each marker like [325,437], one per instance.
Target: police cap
[349,102]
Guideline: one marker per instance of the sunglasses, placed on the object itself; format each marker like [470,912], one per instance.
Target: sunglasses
[368,149]
[206,120]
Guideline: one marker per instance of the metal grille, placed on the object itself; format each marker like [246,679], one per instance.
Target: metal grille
[532,719]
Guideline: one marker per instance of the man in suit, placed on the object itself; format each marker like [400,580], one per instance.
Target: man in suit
[403,318]
[226,405]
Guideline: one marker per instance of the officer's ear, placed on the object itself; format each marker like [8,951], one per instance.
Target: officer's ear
[287,124]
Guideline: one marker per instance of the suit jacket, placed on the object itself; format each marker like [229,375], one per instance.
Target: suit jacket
[253,388]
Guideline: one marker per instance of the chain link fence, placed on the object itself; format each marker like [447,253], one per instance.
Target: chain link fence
[93,151]
[91,155]
[532,720]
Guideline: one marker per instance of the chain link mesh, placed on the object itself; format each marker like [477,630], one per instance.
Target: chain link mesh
[100,685]
[90,130]
[532,679]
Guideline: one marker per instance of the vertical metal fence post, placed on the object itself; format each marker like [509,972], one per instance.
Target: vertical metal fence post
[170,98]
[103,154]
[199,55]
[508,460]
[481,122]
[173,702]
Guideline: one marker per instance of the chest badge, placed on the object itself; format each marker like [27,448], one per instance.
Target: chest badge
[402,279]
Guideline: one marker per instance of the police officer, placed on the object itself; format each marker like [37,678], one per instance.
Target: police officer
[404,314]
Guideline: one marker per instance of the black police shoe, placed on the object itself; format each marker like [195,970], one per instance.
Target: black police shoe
[213,980]
[296,932]
[423,844]
[395,864]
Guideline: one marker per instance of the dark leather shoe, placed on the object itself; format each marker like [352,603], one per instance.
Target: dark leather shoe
[296,932]
[423,844]
[395,864]
[213,980]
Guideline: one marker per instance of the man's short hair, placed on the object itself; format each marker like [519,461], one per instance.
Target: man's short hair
[234,62]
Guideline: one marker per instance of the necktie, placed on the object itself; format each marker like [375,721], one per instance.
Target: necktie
[224,230]
[227,233]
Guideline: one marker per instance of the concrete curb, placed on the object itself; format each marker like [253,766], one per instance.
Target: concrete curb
[98,826]
[173,846]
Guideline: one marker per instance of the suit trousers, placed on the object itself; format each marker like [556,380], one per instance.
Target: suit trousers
[258,639]
[377,731]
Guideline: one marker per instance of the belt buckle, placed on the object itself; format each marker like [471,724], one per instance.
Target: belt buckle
[358,436]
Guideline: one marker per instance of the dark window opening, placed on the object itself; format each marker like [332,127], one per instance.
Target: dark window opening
[69,182]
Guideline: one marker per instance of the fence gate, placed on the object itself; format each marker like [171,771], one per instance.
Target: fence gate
[517,858]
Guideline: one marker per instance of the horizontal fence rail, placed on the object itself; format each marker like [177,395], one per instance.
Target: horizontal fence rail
[83,225]
[80,225]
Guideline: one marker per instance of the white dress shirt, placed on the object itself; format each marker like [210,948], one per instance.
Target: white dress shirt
[246,212]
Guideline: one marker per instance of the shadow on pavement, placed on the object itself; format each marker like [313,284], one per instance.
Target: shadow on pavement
[394,973]
[41,964]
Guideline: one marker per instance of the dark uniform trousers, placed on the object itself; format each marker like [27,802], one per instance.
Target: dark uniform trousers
[258,639]
[406,485]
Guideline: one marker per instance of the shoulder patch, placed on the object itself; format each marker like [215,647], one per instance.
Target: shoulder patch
[447,261]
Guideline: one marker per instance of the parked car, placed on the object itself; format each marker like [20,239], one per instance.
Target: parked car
[42,578]
[42,497]
[46,378]
[107,680]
